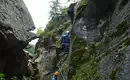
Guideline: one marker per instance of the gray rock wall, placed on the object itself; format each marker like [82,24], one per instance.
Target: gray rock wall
[106,24]
[102,19]
[45,58]
[15,24]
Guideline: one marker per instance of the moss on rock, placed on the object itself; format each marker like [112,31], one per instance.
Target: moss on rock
[80,7]
[120,29]
[113,74]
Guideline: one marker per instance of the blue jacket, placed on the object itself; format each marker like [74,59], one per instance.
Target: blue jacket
[70,12]
[54,78]
[33,27]
[65,39]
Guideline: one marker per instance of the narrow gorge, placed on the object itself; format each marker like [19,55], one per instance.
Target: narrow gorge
[99,48]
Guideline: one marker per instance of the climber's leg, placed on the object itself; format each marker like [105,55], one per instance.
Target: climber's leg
[57,52]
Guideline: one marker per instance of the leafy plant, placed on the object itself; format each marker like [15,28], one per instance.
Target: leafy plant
[39,31]
[2,76]
[14,78]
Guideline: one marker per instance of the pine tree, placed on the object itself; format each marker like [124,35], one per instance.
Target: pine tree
[55,8]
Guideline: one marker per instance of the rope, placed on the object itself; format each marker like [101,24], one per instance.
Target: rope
[70,54]
[63,77]
[69,59]
[61,73]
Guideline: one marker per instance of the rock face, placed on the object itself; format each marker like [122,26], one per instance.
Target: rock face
[107,22]
[15,24]
[45,57]
[85,26]
[104,25]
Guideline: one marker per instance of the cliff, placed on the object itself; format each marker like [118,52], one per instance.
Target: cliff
[15,24]
[101,39]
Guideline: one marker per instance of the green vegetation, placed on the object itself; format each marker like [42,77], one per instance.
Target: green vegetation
[83,3]
[2,76]
[39,31]
[58,42]
[126,42]
[80,8]
[113,74]
[108,51]
[58,22]
[121,28]
[84,61]
[78,44]
[14,78]
[55,11]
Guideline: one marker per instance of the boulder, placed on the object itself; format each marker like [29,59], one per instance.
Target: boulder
[15,24]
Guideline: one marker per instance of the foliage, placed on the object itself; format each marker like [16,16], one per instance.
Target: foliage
[83,2]
[55,8]
[113,74]
[2,76]
[80,8]
[59,21]
[86,67]
[14,78]
[84,60]
[121,28]
[39,31]
[58,42]
[78,44]
[49,34]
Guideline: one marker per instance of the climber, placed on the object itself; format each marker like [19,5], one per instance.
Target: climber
[55,75]
[71,11]
[33,28]
[65,42]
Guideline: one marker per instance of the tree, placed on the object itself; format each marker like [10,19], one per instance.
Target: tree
[39,31]
[55,8]
[58,18]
